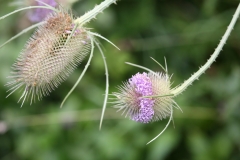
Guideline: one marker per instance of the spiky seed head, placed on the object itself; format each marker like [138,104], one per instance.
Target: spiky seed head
[47,59]
[142,109]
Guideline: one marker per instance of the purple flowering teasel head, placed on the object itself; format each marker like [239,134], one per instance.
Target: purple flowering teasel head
[134,97]
[146,97]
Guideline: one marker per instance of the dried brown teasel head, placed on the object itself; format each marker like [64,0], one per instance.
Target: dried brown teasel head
[49,56]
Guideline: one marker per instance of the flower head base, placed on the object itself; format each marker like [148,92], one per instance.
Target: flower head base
[48,58]
[131,98]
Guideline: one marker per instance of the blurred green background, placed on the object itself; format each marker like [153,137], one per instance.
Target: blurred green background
[186,32]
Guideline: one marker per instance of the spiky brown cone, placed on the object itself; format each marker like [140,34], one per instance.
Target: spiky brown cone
[47,59]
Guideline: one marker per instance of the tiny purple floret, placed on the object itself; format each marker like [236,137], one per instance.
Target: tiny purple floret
[143,87]
[39,14]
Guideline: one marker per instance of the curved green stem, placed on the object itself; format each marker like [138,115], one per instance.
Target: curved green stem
[98,35]
[213,57]
[107,86]
[26,8]
[164,128]
[22,32]
[138,66]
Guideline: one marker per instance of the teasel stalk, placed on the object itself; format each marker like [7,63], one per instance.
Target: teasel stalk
[55,49]
[148,97]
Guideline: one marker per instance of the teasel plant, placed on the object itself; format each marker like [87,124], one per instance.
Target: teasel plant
[56,48]
[148,96]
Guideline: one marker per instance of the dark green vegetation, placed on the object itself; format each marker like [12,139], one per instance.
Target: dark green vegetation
[186,32]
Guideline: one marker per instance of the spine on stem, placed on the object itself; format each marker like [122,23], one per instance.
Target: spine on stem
[92,14]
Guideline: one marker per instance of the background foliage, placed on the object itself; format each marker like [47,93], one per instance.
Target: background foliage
[186,32]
